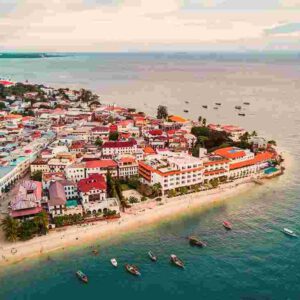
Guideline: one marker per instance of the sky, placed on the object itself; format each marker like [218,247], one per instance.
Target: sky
[149,25]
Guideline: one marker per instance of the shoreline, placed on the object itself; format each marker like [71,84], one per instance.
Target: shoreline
[145,213]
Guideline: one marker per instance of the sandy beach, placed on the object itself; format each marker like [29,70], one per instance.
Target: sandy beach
[140,214]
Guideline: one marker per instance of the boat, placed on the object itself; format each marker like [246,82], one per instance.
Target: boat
[176,261]
[152,256]
[186,111]
[95,252]
[132,270]
[242,114]
[187,102]
[82,276]
[289,232]
[114,262]
[246,103]
[227,225]
[204,106]
[215,107]
[196,242]
[218,103]
[238,107]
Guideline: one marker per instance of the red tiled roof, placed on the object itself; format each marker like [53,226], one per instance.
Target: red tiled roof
[120,144]
[149,150]
[26,212]
[94,182]
[103,163]
[100,129]
[155,132]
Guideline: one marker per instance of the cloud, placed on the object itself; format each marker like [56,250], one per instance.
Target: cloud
[111,25]
[283,29]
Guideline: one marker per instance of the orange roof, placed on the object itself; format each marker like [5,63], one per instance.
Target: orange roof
[177,119]
[149,150]
[13,116]
[230,152]
[104,163]
[127,160]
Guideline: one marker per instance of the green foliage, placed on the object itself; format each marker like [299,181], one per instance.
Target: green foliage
[272,142]
[42,221]
[108,213]
[27,230]
[2,105]
[10,228]
[133,200]
[60,221]
[171,193]
[37,176]
[118,188]
[98,142]
[183,190]
[162,112]
[113,136]
[111,187]
[144,198]
[214,182]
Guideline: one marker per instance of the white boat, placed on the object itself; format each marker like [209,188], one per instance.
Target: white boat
[114,262]
[289,232]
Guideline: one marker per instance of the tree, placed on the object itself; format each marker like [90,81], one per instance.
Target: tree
[113,136]
[200,131]
[98,142]
[162,112]
[171,193]
[2,105]
[42,221]
[27,230]
[272,142]
[156,188]
[254,133]
[10,228]
[111,189]
[37,175]
[133,199]
[204,122]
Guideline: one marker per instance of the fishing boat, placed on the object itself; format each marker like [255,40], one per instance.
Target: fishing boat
[176,261]
[238,107]
[152,256]
[132,270]
[196,242]
[114,262]
[242,114]
[289,232]
[204,106]
[218,103]
[186,111]
[82,276]
[246,103]
[227,225]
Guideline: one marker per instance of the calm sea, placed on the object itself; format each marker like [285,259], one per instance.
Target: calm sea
[255,260]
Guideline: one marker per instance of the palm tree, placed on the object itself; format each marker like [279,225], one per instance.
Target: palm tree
[10,227]
[157,188]
[42,222]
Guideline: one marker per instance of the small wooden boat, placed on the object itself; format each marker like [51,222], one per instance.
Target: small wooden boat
[196,242]
[132,270]
[186,111]
[246,103]
[152,256]
[242,114]
[215,107]
[82,276]
[218,103]
[227,225]
[187,102]
[238,107]
[289,232]
[114,262]
[176,261]
[204,106]
[95,252]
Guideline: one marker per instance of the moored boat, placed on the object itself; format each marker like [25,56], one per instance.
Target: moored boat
[186,111]
[132,270]
[152,256]
[246,103]
[238,107]
[114,262]
[289,232]
[218,103]
[227,225]
[242,114]
[196,242]
[176,261]
[204,106]
[82,276]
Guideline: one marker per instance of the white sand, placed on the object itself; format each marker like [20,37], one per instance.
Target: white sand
[141,214]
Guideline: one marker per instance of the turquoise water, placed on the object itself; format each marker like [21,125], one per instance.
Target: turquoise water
[253,261]
[271,170]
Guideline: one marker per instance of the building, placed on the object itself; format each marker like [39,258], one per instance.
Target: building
[101,167]
[111,149]
[171,170]
[39,165]
[127,167]
[27,202]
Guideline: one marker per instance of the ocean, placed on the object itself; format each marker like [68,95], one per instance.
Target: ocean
[255,260]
